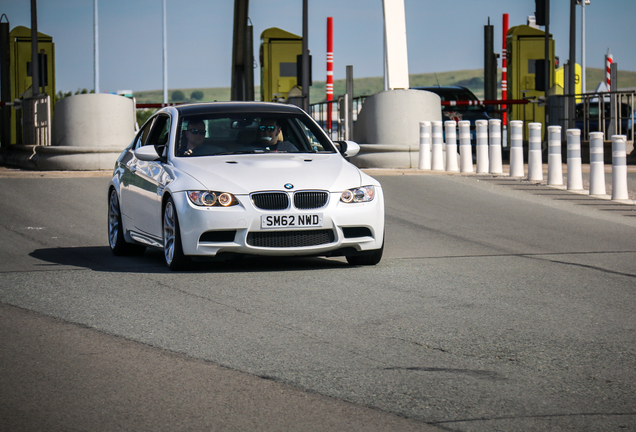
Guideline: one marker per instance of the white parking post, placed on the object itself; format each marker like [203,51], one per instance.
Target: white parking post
[535,161]
[555,160]
[425,146]
[516,149]
[619,168]
[597,164]
[494,146]
[451,146]
[438,147]
[575,175]
[482,146]
[465,148]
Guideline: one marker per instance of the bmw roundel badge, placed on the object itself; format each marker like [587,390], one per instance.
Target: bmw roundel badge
[289,186]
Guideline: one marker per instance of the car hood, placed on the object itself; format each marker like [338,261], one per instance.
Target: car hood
[243,174]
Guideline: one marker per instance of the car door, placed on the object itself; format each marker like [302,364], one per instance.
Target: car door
[148,180]
[130,163]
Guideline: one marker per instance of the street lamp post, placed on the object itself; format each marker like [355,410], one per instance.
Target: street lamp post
[583,3]
[165,55]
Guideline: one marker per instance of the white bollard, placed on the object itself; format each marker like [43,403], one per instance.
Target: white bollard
[465,148]
[438,147]
[516,149]
[597,164]
[619,168]
[555,160]
[425,146]
[575,175]
[451,146]
[535,161]
[494,146]
[482,146]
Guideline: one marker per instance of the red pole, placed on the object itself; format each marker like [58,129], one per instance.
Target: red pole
[609,59]
[504,70]
[329,86]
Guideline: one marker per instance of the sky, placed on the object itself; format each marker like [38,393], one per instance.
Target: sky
[442,35]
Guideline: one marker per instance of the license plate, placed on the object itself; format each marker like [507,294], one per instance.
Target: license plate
[291,221]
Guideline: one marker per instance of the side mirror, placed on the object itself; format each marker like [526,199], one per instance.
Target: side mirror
[348,148]
[147,153]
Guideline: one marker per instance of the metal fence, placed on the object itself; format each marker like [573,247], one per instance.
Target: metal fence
[609,112]
[36,120]
[338,117]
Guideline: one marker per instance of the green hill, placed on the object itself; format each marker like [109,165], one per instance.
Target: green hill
[626,79]
[473,79]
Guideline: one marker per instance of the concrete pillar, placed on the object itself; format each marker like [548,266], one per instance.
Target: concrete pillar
[387,127]
[94,120]
[396,61]
[89,132]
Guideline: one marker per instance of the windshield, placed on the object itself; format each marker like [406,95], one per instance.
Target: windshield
[210,135]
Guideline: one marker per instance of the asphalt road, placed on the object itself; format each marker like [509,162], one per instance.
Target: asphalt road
[499,305]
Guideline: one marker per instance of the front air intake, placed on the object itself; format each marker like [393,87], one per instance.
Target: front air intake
[290,239]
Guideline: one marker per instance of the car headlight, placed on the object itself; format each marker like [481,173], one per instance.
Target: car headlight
[212,199]
[357,195]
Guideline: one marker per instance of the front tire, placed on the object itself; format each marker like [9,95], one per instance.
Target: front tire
[116,240]
[367,259]
[172,247]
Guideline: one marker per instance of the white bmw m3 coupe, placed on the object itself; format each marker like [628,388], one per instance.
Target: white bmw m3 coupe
[222,179]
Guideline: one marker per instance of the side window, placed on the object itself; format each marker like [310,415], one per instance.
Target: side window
[160,131]
[142,136]
[309,137]
[313,141]
[160,134]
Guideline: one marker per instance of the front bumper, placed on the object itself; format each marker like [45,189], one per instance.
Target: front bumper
[209,231]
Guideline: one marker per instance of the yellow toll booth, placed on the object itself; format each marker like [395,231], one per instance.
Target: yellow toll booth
[21,74]
[278,53]
[526,53]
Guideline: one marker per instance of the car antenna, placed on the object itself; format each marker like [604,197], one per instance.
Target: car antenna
[437,80]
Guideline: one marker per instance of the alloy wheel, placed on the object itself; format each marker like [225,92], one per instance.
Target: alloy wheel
[169,232]
[113,219]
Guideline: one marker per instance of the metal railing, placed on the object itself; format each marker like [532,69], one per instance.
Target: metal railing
[609,112]
[36,120]
[336,118]
[337,111]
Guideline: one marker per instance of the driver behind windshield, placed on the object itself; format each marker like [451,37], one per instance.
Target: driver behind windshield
[269,134]
[193,137]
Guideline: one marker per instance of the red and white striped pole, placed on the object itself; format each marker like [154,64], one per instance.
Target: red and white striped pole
[329,86]
[609,59]
[504,70]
